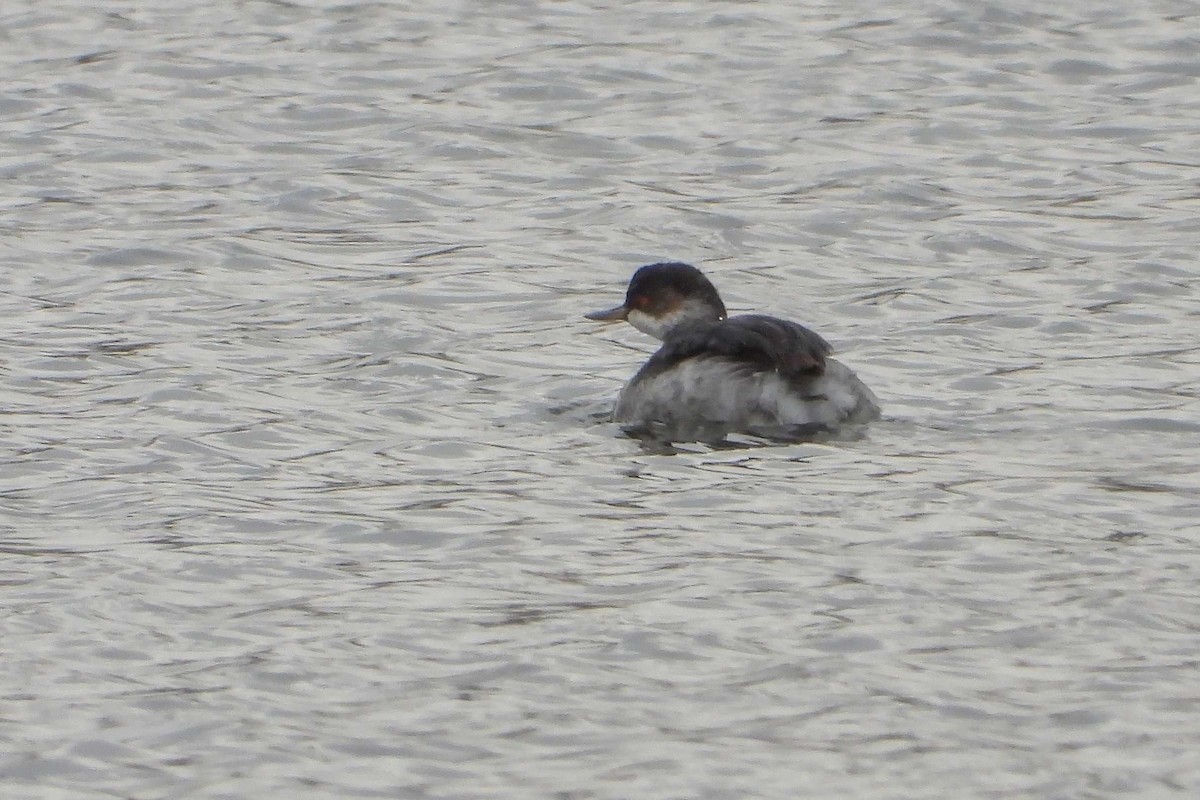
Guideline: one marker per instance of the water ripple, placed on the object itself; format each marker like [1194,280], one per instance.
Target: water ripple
[307,481]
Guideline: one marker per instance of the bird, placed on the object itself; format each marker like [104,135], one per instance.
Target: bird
[714,374]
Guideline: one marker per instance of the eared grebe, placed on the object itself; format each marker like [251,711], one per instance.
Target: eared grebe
[715,375]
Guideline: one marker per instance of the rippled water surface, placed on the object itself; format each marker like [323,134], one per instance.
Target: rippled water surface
[306,488]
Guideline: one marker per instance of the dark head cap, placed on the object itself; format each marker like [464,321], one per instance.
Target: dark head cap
[658,289]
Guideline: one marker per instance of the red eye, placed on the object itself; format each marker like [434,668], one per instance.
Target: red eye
[641,301]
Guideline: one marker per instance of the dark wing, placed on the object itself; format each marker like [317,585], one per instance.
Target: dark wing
[761,343]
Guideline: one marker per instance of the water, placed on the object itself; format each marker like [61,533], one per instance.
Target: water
[306,489]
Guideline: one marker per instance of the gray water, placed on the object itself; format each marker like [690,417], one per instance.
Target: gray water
[306,487]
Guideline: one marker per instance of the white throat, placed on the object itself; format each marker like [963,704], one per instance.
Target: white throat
[658,327]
